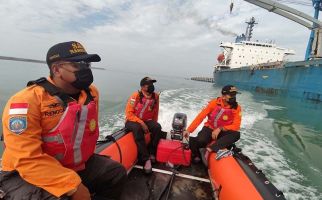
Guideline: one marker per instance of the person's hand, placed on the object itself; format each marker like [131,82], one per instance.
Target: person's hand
[186,134]
[81,193]
[215,133]
[145,127]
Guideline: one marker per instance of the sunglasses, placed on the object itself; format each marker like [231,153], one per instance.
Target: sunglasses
[78,65]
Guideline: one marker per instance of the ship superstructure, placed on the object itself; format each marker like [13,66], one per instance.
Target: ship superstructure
[244,52]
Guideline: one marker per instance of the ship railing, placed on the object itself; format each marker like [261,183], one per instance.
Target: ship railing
[308,63]
[270,65]
[219,66]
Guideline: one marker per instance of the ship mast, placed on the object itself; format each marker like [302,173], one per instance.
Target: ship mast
[250,27]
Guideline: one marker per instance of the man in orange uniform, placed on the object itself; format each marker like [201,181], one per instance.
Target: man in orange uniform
[142,112]
[223,124]
[50,131]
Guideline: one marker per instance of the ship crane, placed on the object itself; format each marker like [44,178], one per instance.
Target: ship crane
[314,47]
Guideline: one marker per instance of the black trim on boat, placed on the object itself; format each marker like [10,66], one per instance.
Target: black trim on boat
[258,178]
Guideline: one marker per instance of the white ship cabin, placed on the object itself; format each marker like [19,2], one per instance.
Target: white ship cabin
[249,53]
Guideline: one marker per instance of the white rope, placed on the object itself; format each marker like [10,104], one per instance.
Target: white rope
[179,174]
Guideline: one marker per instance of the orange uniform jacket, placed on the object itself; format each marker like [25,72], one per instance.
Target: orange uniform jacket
[235,126]
[23,151]
[130,108]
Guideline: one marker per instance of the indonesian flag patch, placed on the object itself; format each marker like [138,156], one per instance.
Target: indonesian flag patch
[18,109]
[132,101]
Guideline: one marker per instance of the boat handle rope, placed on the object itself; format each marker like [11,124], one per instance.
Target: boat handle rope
[111,138]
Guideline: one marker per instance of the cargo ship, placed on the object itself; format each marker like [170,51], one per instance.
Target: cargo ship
[262,66]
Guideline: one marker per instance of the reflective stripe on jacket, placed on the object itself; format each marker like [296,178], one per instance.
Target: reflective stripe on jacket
[220,117]
[144,108]
[73,140]
[137,111]
[212,105]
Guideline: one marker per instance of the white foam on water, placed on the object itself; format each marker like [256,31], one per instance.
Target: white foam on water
[250,116]
[180,101]
[109,124]
[272,160]
[270,107]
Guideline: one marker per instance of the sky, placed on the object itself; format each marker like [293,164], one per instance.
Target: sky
[168,37]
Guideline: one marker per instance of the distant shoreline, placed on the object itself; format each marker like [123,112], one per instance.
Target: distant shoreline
[32,61]
[22,59]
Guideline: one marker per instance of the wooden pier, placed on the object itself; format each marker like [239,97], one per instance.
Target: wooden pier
[203,79]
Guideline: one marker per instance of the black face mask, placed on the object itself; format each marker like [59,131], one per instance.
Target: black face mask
[232,102]
[150,89]
[84,78]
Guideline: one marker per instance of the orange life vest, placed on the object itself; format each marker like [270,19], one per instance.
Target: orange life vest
[73,140]
[144,107]
[220,117]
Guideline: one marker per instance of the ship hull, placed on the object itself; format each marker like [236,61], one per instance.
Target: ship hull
[301,79]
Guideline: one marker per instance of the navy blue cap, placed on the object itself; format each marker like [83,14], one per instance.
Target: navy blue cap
[70,51]
[229,89]
[147,81]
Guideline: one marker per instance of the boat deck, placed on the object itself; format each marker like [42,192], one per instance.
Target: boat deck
[189,183]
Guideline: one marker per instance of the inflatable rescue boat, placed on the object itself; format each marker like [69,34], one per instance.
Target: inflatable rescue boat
[174,177]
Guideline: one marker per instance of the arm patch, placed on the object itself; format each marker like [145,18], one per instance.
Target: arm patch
[17,124]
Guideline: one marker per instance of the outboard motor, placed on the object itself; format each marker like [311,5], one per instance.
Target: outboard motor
[175,151]
[179,124]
